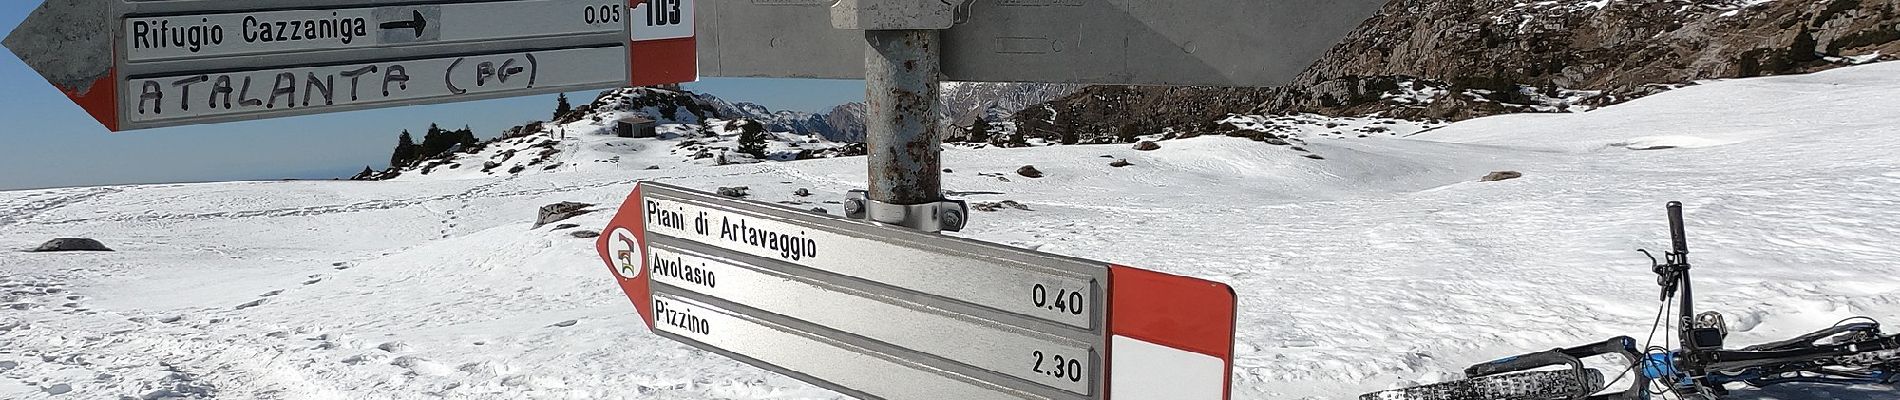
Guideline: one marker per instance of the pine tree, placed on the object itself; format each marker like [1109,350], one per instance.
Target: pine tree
[1128,134]
[466,137]
[1066,133]
[752,139]
[979,131]
[433,142]
[561,107]
[1017,140]
[405,151]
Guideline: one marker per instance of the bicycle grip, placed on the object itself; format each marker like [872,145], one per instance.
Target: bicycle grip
[1677,235]
[1525,363]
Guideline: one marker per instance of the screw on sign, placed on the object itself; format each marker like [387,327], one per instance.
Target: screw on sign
[884,312]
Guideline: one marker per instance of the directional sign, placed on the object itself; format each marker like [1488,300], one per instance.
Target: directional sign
[1142,42]
[138,64]
[882,312]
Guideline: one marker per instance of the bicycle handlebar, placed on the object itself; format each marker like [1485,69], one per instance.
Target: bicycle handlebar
[1677,235]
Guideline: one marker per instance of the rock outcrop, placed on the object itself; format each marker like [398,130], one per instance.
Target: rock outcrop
[1460,59]
[72,244]
[560,211]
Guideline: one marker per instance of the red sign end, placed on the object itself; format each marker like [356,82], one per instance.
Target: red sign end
[101,99]
[623,247]
[662,62]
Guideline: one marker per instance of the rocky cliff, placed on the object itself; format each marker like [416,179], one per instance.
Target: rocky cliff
[1461,59]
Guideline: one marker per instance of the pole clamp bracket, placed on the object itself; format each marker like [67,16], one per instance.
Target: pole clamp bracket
[943,215]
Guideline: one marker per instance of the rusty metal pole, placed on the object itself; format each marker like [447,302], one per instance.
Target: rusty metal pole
[902,137]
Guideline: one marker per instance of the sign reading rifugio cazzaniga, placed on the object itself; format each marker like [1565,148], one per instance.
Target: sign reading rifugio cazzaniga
[144,64]
[882,312]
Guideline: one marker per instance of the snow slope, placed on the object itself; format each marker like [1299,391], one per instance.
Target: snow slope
[1385,263]
[588,144]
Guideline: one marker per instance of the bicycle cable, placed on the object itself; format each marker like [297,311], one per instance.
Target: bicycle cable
[1869,319]
[1647,340]
[1668,329]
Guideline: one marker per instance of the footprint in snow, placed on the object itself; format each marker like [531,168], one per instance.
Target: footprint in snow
[421,366]
[313,281]
[564,324]
[393,347]
[58,389]
[273,293]
[252,303]
[364,359]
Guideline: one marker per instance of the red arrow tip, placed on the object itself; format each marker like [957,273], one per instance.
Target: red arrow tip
[101,100]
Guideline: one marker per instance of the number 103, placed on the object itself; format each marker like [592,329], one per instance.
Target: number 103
[664,12]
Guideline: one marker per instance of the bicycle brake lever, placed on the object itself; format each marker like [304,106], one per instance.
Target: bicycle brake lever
[1664,277]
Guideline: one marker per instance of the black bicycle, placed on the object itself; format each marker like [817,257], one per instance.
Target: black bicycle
[1852,352]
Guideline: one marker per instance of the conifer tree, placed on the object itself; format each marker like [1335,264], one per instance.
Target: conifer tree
[979,131]
[561,107]
[1067,133]
[1128,133]
[405,151]
[1018,140]
[752,139]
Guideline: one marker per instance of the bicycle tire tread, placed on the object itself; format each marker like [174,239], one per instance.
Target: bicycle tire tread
[1533,385]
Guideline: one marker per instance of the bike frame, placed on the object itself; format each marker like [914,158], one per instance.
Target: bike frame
[1701,361]
[1700,364]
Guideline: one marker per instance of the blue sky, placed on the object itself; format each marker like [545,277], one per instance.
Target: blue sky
[46,141]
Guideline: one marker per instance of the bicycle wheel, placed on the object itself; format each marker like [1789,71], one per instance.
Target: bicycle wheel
[1534,385]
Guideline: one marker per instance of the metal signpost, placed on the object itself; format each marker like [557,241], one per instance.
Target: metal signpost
[885,312]
[874,304]
[897,312]
[145,64]
[909,46]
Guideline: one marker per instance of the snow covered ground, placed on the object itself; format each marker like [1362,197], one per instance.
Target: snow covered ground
[1386,263]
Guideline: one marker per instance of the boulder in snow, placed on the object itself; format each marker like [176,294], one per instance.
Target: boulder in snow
[994,206]
[736,192]
[1147,146]
[1029,171]
[1502,175]
[585,234]
[560,211]
[72,244]
[1120,163]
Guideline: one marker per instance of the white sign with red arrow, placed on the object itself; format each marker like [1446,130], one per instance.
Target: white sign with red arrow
[881,312]
[146,64]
